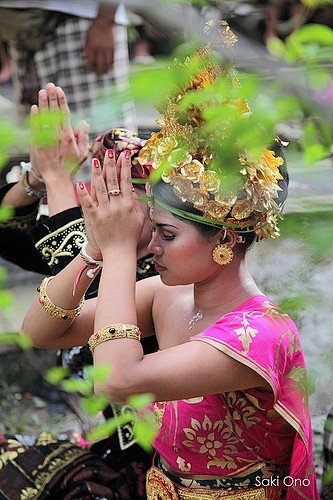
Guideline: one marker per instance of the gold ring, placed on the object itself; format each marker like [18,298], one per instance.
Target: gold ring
[114,192]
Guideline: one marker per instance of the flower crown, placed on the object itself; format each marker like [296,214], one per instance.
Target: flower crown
[184,155]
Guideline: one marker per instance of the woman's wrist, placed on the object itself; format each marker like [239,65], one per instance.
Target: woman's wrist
[119,253]
[92,252]
[31,186]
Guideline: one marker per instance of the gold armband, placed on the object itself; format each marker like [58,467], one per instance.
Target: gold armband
[114,331]
[52,309]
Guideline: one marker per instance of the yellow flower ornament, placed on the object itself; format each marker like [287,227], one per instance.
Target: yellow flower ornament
[185,158]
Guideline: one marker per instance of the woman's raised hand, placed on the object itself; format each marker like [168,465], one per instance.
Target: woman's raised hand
[56,148]
[112,211]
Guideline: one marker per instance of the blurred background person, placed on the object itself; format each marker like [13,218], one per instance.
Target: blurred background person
[5,71]
[80,45]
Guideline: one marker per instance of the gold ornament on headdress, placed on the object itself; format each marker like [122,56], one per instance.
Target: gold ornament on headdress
[186,159]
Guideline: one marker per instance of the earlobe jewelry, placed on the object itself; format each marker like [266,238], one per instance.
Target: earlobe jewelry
[222,254]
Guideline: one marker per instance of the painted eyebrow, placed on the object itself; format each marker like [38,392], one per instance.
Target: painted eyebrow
[161,225]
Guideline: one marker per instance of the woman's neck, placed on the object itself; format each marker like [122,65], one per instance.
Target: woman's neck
[226,290]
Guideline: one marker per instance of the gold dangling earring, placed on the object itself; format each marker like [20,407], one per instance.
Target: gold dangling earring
[222,254]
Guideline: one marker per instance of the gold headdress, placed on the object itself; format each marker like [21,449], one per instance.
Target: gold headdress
[198,159]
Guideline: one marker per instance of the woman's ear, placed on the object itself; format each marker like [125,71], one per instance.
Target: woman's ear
[228,237]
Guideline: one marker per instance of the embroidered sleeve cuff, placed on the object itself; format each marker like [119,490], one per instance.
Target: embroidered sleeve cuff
[24,217]
[59,245]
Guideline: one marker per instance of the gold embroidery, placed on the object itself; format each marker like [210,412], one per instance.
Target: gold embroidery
[21,223]
[294,344]
[272,309]
[298,374]
[246,333]
[28,493]
[160,487]
[159,413]
[45,438]
[14,448]
[62,242]
[184,467]
[200,440]
[245,411]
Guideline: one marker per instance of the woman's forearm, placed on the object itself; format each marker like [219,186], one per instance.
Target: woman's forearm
[116,305]
[46,325]
[17,196]
[60,193]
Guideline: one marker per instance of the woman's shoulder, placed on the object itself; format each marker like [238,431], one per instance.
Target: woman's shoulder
[257,323]
[258,309]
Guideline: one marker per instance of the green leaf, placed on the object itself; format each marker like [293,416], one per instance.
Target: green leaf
[313,33]
[84,387]
[56,374]
[45,128]
[98,373]
[145,432]
[94,403]
[6,299]
[295,303]
[6,212]
[16,338]
[277,48]
[140,401]
[110,426]
[143,82]
[314,153]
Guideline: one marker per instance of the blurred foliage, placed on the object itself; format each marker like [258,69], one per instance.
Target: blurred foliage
[311,47]
[315,228]
[134,412]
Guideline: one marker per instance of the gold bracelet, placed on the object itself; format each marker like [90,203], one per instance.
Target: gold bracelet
[52,309]
[114,331]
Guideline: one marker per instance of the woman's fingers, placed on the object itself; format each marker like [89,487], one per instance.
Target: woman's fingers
[98,184]
[64,109]
[87,204]
[43,102]
[52,96]
[81,134]
[125,174]
[110,172]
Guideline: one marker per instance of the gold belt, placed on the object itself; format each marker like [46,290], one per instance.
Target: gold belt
[160,487]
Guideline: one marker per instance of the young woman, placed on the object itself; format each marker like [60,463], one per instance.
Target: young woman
[45,245]
[228,380]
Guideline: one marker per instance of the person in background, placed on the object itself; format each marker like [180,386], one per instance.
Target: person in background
[229,380]
[5,70]
[81,46]
[48,244]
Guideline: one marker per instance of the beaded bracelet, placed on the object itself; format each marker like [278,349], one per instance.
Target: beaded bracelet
[112,332]
[51,308]
[39,193]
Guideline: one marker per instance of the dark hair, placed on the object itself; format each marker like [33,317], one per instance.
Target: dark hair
[163,191]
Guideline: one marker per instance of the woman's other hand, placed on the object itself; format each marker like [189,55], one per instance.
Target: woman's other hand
[56,151]
[112,210]
[61,153]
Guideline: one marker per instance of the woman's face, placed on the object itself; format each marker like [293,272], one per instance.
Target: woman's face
[182,255]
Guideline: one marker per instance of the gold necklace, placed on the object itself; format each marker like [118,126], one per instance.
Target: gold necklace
[196,317]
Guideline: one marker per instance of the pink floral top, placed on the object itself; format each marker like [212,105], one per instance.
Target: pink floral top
[240,432]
